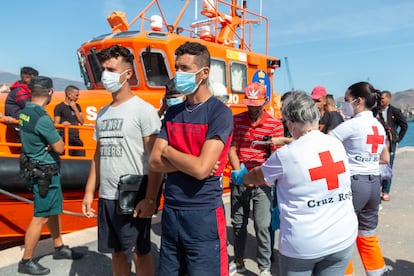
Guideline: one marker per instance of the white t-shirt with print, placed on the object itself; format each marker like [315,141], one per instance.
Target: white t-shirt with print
[120,131]
[317,216]
[364,138]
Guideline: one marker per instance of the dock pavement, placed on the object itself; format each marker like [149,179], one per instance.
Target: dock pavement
[396,235]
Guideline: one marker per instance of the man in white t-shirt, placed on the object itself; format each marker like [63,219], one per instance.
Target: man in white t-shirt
[125,132]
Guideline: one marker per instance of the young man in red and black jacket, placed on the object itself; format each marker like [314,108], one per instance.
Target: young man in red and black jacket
[19,92]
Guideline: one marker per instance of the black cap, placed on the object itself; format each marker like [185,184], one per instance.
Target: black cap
[41,82]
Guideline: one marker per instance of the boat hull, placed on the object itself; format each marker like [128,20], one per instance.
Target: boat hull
[16,214]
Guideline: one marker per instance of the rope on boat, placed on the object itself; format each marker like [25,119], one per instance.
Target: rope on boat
[31,202]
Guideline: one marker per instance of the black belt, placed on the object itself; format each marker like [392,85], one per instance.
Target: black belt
[361,176]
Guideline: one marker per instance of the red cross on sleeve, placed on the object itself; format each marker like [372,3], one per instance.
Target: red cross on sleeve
[328,170]
[375,139]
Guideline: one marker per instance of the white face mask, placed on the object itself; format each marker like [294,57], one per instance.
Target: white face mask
[110,81]
[347,109]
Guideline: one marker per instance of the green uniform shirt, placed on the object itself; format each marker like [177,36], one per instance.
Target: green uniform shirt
[37,132]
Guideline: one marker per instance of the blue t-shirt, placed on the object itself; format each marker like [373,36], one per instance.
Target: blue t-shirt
[187,131]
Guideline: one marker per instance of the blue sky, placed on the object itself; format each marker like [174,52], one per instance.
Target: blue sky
[332,43]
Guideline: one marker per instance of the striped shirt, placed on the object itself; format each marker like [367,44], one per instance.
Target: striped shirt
[245,132]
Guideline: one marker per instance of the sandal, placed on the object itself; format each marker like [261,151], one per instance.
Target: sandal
[385,197]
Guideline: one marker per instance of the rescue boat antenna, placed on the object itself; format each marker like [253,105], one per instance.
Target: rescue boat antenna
[195,16]
[292,87]
[260,9]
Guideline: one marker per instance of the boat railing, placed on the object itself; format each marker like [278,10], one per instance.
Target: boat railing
[84,131]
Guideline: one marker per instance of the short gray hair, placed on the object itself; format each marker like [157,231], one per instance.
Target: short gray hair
[300,108]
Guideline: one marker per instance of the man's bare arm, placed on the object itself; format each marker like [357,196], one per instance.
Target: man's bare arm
[200,166]
[91,184]
[146,207]
[158,163]
[233,158]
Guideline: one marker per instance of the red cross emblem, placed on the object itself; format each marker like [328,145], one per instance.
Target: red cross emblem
[375,139]
[329,170]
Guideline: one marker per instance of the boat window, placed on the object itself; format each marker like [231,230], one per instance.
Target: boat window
[100,37]
[95,66]
[126,34]
[157,35]
[155,68]
[238,77]
[84,72]
[217,71]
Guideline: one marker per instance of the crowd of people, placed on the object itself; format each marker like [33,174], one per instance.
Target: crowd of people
[314,173]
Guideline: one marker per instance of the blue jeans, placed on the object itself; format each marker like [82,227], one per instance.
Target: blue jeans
[331,265]
[240,210]
[275,221]
[386,183]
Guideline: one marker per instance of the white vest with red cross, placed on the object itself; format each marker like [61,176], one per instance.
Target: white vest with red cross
[364,139]
[317,216]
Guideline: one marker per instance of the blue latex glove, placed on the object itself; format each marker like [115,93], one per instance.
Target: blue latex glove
[237,175]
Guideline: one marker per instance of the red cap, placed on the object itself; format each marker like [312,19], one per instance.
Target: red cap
[318,92]
[255,94]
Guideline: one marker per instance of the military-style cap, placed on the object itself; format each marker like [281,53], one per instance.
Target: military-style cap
[41,82]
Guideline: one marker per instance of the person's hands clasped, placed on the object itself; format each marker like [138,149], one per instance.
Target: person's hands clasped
[237,175]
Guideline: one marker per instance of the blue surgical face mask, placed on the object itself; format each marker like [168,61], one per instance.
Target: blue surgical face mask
[174,101]
[110,81]
[185,83]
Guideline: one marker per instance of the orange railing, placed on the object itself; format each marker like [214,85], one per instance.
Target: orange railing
[11,148]
[84,131]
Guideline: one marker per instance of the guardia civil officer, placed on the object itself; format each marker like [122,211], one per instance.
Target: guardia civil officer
[42,145]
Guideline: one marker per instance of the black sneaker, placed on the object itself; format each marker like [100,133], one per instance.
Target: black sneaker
[64,252]
[236,267]
[32,267]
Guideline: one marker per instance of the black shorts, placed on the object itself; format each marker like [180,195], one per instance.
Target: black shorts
[122,232]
